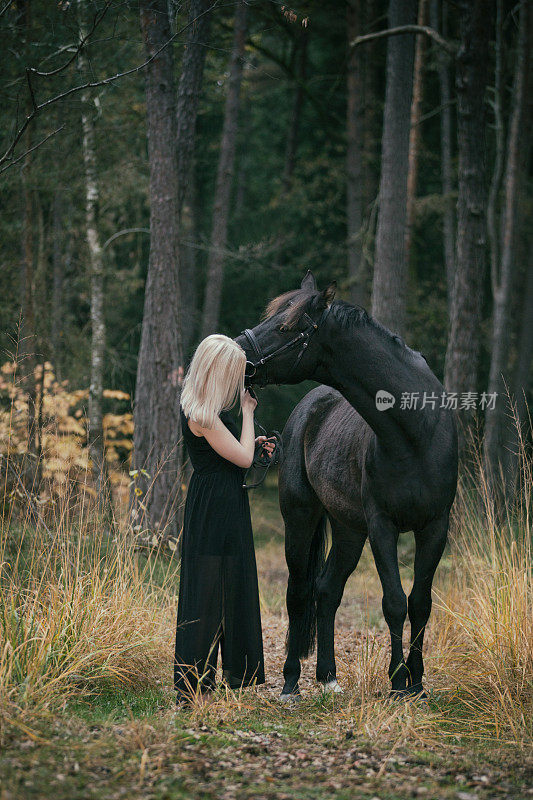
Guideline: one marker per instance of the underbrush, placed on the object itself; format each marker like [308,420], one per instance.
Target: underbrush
[82,614]
[485,619]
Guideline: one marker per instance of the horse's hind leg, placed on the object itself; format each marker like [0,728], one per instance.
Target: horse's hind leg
[304,542]
[346,549]
[383,534]
[430,543]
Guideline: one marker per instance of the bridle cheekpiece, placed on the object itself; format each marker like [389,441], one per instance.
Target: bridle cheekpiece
[303,338]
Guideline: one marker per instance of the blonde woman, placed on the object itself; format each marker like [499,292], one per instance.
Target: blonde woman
[218,598]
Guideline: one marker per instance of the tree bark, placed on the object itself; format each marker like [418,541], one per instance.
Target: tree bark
[504,252]
[414,133]
[189,89]
[371,83]
[56,322]
[461,369]
[522,377]
[297,101]
[156,410]
[354,156]
[27,338]
[95,434]
[390,269]
[215,271]
[439,21]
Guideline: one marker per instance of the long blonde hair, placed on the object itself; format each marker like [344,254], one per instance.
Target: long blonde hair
[214,380]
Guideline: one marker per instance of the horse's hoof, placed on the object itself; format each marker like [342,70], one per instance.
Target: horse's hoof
[290,697]
[417,694]
[413,694]
[332,687]
[398,694]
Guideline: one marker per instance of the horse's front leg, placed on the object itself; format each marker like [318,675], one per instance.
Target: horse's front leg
[346,549]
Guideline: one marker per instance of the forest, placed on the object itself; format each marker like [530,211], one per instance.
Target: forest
[168,168]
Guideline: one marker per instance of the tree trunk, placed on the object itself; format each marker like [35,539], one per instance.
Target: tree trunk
[189,89]
[517,432]
[215,271]
[390,269]
[354,156]
[371,91]
[439,22]
[495,416]
[414,133]
[292,138]
[462,353]
[27,340]
[522,378]
[56,323]
[96,387]
[156,411]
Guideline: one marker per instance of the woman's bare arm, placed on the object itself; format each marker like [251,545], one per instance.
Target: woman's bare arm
[225,444]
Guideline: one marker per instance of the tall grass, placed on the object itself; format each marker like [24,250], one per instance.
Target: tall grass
[78,612]
[485,626]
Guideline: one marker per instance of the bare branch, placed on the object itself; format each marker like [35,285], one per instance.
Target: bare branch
[97,20]
[90,85]
[30,87]
[123,233]
[27,152]
[5,8]
[420,29]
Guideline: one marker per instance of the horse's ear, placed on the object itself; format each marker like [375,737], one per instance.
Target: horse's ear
[329,293]
[309,282]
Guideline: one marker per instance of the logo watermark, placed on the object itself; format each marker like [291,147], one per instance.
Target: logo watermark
[384,400]
[453,401]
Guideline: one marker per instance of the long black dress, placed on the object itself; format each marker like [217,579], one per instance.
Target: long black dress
[218,597]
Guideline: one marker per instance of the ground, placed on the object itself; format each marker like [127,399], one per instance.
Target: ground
[133,743]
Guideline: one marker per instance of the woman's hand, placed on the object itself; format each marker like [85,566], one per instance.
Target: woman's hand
[248,403]
[268,446]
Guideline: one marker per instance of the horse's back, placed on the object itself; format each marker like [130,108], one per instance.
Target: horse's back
[325,442]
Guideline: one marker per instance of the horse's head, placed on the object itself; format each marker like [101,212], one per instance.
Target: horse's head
[285,347]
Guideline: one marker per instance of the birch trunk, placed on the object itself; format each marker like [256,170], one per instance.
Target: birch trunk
[96,386]
[26,337]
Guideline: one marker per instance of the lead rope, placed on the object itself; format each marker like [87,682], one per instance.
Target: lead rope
[261,459]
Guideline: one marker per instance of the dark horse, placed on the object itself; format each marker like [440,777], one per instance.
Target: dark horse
[358,452]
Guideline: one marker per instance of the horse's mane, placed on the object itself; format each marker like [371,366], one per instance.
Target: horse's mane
[297,300]
[346,314]
[350,316]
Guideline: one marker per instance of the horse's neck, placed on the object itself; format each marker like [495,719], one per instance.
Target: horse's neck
[364,361]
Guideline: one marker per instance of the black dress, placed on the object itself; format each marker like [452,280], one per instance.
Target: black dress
[218,597]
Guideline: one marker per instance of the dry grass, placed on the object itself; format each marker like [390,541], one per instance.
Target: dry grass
[485,624]
[77,611]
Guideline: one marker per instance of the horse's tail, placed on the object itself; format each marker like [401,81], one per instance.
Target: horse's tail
[315,564]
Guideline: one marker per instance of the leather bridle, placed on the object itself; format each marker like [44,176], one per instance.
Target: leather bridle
[303,338]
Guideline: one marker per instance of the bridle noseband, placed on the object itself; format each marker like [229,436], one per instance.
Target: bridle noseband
[303,339]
